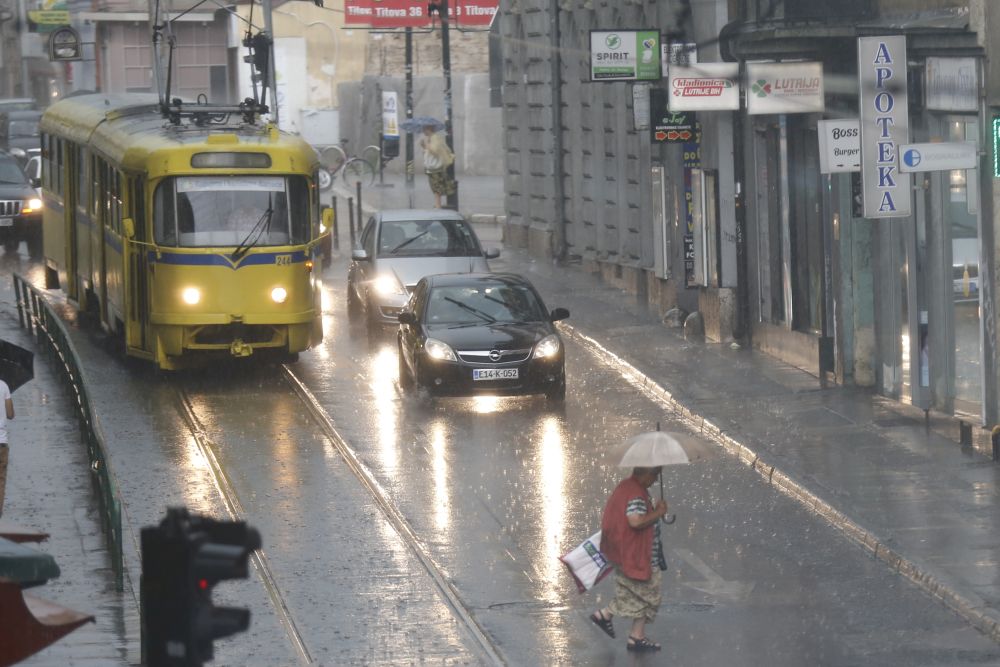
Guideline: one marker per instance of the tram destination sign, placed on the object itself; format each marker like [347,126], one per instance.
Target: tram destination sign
[884,126]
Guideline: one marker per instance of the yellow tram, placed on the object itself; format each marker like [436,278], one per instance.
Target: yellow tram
[189,239]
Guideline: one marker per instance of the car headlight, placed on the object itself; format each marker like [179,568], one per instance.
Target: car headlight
[279,294]
[547,347]
[191,296]
[34,204]
[387,284]
[437,350]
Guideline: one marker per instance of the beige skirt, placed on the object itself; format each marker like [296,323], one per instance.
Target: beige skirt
[636,599]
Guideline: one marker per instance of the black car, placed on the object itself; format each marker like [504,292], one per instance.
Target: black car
[20,208]
[480,333]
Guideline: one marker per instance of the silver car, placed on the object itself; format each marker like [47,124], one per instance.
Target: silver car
[397,249]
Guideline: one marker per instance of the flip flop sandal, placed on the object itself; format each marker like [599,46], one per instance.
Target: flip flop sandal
[603,623]
[641,645]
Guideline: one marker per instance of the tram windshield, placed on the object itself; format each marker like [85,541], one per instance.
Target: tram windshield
[213,211]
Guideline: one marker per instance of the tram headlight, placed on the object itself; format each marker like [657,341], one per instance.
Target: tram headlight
[191,296]
[279,294]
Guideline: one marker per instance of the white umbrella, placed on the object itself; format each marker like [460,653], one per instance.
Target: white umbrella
[652,449]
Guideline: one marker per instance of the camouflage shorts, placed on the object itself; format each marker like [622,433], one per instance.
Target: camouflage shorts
[440,183]
[636,599]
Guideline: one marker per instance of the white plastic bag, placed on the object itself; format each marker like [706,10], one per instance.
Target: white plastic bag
[586,563]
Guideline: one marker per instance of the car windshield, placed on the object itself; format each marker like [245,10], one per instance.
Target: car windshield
[461,305]
[210,211]
[423,238]
[23,128]
[10,172]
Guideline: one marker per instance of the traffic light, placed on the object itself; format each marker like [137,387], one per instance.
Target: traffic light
[182,560]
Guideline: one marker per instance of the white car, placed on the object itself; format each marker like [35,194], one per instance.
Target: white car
[396,249]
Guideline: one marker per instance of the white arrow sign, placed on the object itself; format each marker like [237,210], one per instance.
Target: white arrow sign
[714,585]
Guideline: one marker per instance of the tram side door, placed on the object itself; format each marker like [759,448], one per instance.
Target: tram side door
[135,259]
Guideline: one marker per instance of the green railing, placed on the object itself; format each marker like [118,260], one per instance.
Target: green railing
[36,313]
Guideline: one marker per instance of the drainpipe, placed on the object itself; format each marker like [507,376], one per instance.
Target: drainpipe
[557,143]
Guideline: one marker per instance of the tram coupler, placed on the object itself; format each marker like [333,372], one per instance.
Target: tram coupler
[240,349]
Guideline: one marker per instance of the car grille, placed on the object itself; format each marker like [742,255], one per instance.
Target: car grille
[11,206]
[483,356]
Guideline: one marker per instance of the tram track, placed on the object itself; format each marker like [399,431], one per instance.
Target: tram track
[231,500]
[207,446]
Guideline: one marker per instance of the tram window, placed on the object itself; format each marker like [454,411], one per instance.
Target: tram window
[81,178]
[45,162]
[164,224]
[212,211]
[59,168]
[298,191]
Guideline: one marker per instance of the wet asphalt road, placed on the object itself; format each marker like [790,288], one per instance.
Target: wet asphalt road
[494,490]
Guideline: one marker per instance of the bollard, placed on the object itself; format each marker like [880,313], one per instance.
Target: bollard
[350,219]
[19,299]
[996,443]
[964,434]
[361,215]
[336,224]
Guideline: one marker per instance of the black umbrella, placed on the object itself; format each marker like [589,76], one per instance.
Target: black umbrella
[16,365]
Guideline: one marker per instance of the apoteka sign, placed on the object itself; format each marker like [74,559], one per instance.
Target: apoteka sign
[884,126]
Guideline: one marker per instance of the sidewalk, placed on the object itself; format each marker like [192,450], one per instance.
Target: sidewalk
[912,497]
[49,489]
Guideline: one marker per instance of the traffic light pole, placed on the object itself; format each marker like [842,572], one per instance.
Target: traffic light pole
[448,125]
[408,68]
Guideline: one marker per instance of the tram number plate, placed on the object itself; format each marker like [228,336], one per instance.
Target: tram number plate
[494,374]
[283,260]
[6,222]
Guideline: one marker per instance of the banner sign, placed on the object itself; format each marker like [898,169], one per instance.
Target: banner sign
[666,126]
[625,55]
[839,145]
[704,87]
[398,14]
[391,14]
[942,156]
[357,13]
[884,125]
[951,84]
[692,160]
[784,88]
[474,13]
[390,114]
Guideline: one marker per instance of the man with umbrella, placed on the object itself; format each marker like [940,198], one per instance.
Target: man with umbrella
[630,537]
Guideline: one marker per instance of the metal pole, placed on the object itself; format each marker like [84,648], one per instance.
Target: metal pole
[558,199]
[448,126]
[336,224]
[357,186]
[350,218]
[408,68]
[381,134]
[271,73]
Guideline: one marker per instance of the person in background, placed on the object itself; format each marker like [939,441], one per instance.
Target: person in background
[5,415]
[630,540]
[437,158]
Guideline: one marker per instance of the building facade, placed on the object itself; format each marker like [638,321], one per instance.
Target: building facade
[743,224]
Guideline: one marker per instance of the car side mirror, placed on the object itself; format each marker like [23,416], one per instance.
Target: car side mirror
[491,253]
[129,226]
[558,314]
[35,182]
[359,255]
[406,317]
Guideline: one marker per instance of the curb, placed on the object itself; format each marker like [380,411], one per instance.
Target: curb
[969,608]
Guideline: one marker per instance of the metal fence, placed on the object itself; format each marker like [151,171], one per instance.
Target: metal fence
[37,314]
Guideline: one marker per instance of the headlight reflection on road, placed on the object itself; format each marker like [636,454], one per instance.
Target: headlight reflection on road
[439,462]
[552,491]
[383,372]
